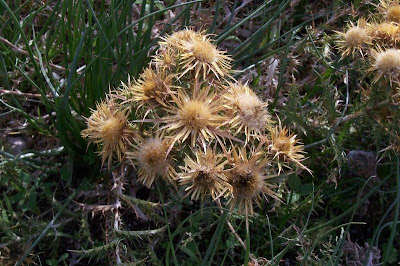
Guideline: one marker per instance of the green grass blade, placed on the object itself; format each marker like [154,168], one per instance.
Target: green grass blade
[48,227]
[389,243]
[207,260]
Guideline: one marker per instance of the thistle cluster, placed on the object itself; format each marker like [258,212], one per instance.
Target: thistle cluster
[374,51]
[195,126]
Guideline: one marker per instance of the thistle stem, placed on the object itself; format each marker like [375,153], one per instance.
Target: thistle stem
[231,227]
[247,251]
[118,186]
[196,85]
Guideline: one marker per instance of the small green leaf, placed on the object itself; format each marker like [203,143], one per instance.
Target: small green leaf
[306,189]
[63,257]
[18,197]
[294,182]
[295,197]
[25,178]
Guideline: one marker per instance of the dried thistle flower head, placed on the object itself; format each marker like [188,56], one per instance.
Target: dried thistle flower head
[246,112]
[390,9]
[152,88]
[175,40]
[354,38]
[248,184]
[204,175]
[386,63]
[196,116]
[386,32]
[198,54]
[201,55]
[152,159]
[165,60]
[286,148]
[108,126]
[393,13]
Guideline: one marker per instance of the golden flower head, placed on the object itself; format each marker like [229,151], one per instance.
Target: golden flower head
[196,116]
[177,38]
[386,32]
[152,159]
[204,175]
[152,88]
[390,9]
[248,184]
[385,63]
[199,54]
[246,112]
[108,126]
[286,148]
[354,38]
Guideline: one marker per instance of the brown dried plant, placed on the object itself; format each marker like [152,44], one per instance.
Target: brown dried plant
[187,93]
